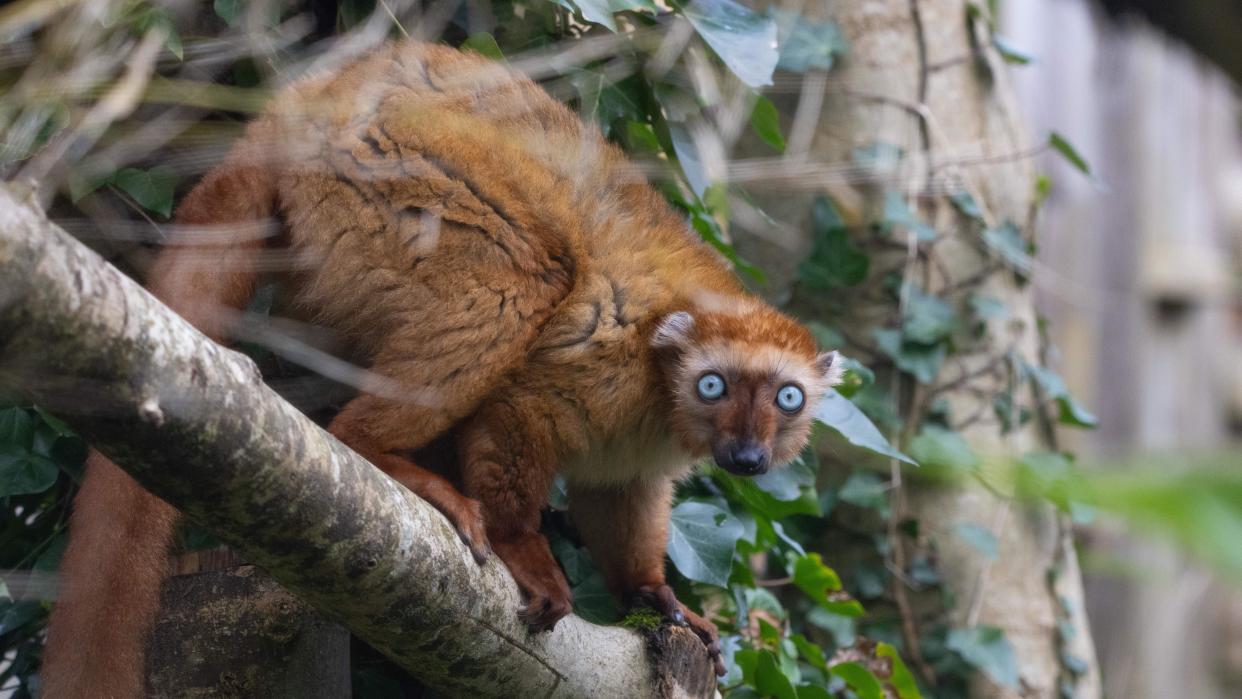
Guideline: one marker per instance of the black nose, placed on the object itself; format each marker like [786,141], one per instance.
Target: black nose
[748,459]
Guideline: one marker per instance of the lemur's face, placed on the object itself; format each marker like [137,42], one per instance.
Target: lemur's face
[745,388]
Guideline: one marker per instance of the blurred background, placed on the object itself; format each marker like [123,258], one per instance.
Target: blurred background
[1142,288]
[1020,220]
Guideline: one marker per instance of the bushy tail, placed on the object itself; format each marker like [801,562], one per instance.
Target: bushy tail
[120,535]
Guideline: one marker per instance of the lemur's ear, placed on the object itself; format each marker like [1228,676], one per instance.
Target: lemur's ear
[830,364]
[673,331]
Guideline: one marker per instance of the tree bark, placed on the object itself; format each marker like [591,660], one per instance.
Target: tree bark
[194,423]
[915,78]
[250,638]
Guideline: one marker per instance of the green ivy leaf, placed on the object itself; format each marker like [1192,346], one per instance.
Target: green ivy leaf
[859,679]
[1062,146]
[1053,386]
[810,652]
[979,537]
[16,428]
[228,10]
[743,39]
[808,691]
[834,261]
[764,503]
[898,213]
[601,11]
[483,44]
[987,649]
[786,483]
[879,157]
[766,122]
[1006,239]
[966,204]
[1010,53]
[940,448]
[927,319]
[22,471]
[900,679]
[822,585]
[846,419]
[987,307]
[921,361]
[152,189]
[866,489]
[701,542]
[807,44]
[594,602]
[769,679]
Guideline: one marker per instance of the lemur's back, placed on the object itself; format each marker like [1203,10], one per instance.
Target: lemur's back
[422,176]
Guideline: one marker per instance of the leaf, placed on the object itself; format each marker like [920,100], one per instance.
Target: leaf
[897,212]
[866,489]
[921,361]
[881,157]
[744,40]
[601,11]
[688,157]
[23,472]
[1006,239]
[702,538]
[966,204]
[1053,386]
[812,653]
[822,584]
[152,189]
[987,649]
[766,122]
[16,428]
[979,537]
[987,307]
[641,138]
[900,679]
[834,262]
[937,447]
[483,44]
[228,10]
[859,679]
[763,503]
[807,44]
[846,419]
[809,691]
[593,601]
[1062,146]
[786,483]
[1008,52]
[927,319]
[143,18]
[769,679]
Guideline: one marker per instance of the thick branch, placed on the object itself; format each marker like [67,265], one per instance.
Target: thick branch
[195,424]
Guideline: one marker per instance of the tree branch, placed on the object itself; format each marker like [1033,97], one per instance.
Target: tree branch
[194,423]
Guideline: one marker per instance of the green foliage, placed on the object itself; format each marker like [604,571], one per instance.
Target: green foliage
[742,38]
[986,648]
[1061,145]
[701,541]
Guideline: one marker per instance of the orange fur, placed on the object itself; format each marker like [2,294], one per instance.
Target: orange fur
[485,251]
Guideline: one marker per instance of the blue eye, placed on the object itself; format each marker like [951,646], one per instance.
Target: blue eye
[711,386]
[790,398]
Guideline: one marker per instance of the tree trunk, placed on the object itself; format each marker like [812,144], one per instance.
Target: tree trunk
[922,76]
